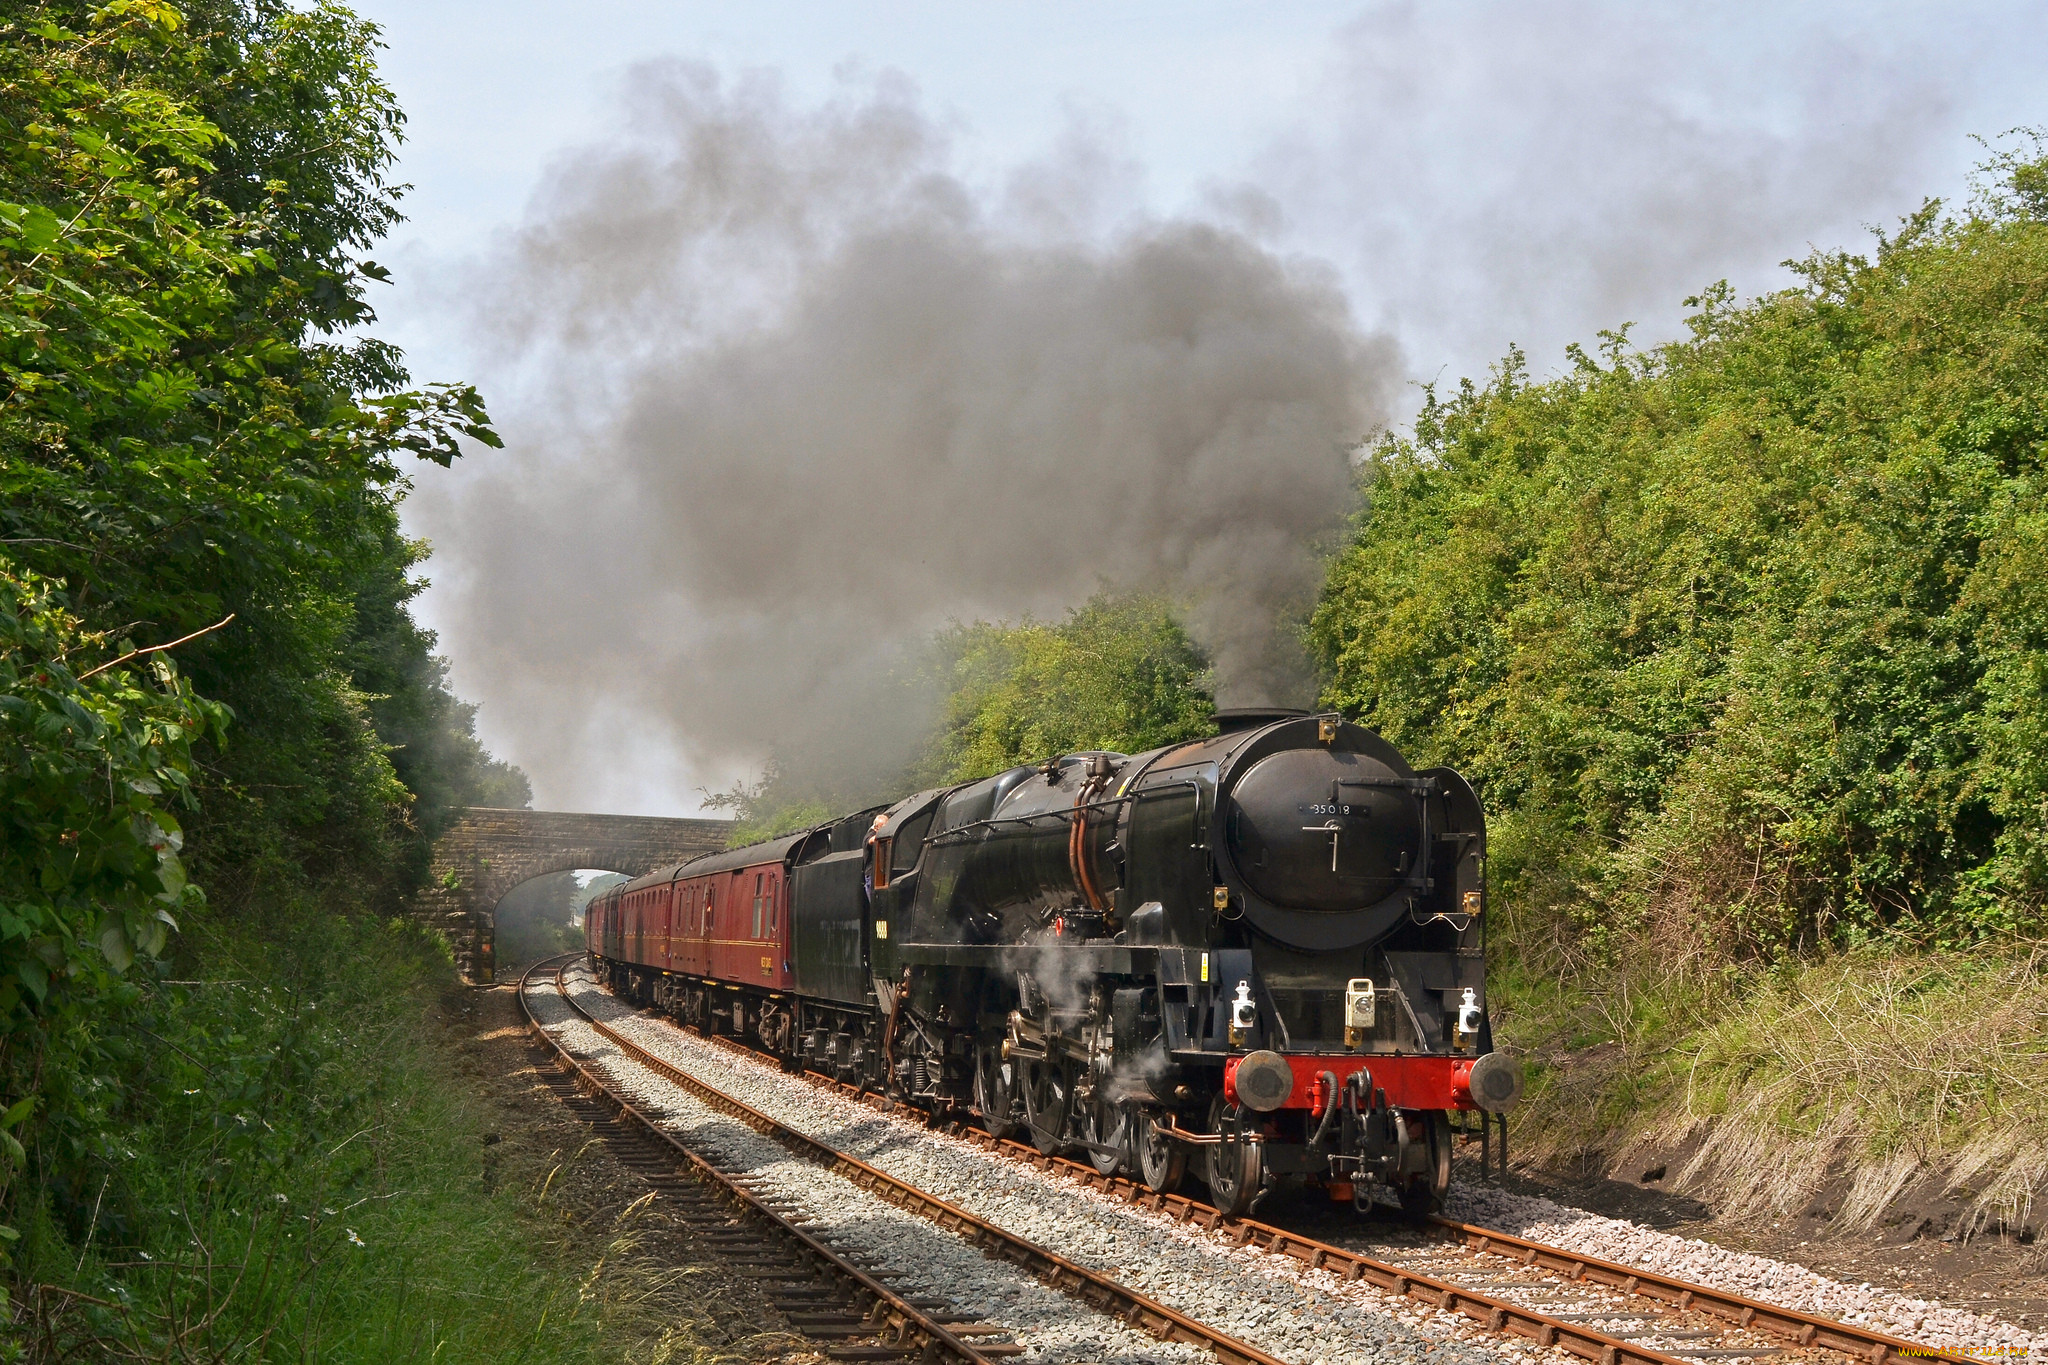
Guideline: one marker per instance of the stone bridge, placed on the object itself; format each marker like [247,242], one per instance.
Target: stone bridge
[488,852]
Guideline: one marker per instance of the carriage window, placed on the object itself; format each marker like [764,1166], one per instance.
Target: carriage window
[758,878]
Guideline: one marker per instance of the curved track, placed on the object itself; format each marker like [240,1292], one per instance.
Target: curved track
[1530,1262]
[1687,1321]
[1098,1291]
[763,1236]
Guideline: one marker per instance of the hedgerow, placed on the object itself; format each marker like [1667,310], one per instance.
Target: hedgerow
[1741,637]
[209,675]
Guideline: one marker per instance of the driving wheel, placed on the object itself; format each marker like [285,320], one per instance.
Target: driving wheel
[1048,1102]
[1237,1168]
[1107,1126]
[995,1092]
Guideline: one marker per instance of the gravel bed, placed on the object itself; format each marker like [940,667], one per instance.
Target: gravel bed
[1739,1272]
[916,1257]
[1276,1304]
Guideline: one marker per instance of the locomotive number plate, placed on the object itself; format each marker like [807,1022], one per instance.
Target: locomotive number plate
[1335,808]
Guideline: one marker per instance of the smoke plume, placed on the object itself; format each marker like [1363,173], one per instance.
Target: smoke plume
[1531,173]
[785,393]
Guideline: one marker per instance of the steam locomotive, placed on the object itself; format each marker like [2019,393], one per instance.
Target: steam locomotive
[1258,955]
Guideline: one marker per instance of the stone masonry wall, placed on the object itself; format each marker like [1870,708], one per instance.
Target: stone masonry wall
[488,852]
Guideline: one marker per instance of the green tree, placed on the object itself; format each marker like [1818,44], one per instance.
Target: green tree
[187,435]
[197,444]
[1741,637]
[1118,673]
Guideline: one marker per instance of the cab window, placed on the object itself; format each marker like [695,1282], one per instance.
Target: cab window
[909,843]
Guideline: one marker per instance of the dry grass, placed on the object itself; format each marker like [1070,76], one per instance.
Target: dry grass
[1898,1073]
[1894,1070]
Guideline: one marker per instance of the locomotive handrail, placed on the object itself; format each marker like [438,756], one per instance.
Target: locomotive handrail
[1066,814]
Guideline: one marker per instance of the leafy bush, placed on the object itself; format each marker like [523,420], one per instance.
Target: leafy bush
[1742,637]
[90,875]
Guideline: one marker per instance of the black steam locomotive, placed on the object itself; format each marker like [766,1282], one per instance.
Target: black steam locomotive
[1261,952]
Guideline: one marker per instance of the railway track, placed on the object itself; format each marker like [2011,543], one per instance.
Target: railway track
[824,1292]
[1700,1322]
[1595,1310]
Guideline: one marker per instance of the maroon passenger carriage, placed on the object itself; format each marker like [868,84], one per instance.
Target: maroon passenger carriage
[1260,954]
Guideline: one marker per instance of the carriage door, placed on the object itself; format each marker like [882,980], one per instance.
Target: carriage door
[775,913]
[760,945]
[700,952]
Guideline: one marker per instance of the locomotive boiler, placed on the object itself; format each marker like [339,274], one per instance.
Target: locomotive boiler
[1258,955]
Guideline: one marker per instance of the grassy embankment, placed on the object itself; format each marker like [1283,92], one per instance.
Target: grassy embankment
[301,1173]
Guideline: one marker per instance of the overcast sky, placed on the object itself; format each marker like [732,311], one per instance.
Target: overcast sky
[1459,177]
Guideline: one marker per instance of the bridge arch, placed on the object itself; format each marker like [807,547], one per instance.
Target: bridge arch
[543,915]
[487,852]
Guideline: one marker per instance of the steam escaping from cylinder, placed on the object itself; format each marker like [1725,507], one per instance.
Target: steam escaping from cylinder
[784,394]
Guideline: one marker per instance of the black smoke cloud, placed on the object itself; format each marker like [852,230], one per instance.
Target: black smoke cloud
[785,393]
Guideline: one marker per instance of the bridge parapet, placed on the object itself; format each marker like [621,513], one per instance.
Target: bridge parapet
[487,852]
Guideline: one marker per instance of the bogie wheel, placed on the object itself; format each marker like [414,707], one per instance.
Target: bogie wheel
[995,1092]
[1423,1195]
[1237,1170]
[1159,1161]
[1048,1103]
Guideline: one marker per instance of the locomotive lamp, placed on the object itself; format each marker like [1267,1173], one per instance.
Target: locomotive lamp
[1326,730]
[1360,1006]
[1468,1020]
[1244,1014]
[1220,898]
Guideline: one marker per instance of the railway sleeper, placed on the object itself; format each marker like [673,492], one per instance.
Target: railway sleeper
[1586,1343]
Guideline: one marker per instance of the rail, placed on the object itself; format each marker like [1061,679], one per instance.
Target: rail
[891,1315]
[1099,1291]
[1791,1326]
